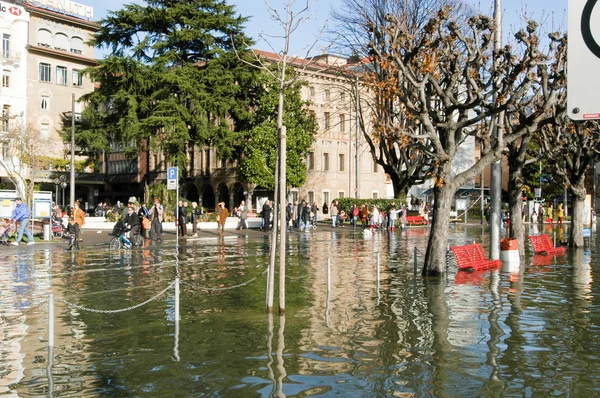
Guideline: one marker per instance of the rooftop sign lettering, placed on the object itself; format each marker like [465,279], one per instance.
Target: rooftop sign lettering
[70,7]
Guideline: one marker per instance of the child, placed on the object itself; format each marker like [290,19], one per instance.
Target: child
[534,217]
[73,233]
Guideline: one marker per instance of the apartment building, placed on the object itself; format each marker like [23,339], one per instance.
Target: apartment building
[43,56]
[14,22]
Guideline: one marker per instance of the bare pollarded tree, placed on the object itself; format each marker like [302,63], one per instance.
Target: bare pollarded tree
[452,84]
[572,148]
[404,159]
[24,150]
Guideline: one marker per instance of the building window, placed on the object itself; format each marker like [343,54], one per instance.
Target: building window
[375,195]
[375,167]
[44,38]
[326,120]
[61,75]
[326,161]
[76,45]
[5,46]
[5,78]
[342,96]
[4,146]
[311,160]
[77,78]
[342,122]
[45,129]
[207,160]
[45,103]
[61,42]
[45,72]
[223,163]
[326,197]
[341,162]
[326,95]
[341,194]
[294,196]
[311,92]
[5,117]
[311,197]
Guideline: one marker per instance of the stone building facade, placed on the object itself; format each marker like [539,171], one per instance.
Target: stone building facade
[332,163]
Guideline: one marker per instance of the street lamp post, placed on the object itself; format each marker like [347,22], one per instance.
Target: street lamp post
[496,169]
[56,184]
[72,196]
[63,185]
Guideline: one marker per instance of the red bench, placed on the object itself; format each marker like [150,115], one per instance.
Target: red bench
[542,244]
[472,257]
[415,220]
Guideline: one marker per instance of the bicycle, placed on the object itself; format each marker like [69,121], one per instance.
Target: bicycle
[121,241]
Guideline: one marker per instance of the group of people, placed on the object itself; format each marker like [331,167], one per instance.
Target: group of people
[548,212]
[187,214]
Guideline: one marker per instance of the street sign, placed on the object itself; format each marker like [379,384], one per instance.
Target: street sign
[538,192]
[583,87]
[172,178]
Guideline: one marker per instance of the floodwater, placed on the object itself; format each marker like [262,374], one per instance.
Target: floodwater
[378,331]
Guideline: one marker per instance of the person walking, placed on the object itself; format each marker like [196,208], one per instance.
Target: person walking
[223,213]
[79,215]
[299,215]
[195,217]
[560,213]
[73,234]
[156,219]
[243,215]
[143,215]
[364,216]
[182,218]
[289,216]
[334,211]
[392,216]
[315,211]
[21,214]
[306,217]
[266,213]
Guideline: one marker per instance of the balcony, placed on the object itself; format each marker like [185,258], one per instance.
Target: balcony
[10,57]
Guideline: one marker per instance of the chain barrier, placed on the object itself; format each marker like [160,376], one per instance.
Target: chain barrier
[79,307]
[26,312]
[220,289]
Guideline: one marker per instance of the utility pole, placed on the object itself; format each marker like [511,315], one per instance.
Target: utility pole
[357,166]
[496,169]
[72,198]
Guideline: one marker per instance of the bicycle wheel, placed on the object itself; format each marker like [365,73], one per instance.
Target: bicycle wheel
[138,240]
[115,243]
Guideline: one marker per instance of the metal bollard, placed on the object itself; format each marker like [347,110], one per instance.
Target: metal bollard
[328,275]
[177,299]
[51,320]
[415,259]
[554,235]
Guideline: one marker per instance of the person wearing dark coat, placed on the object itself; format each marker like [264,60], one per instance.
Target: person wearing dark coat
[266,213]
[301,206]
[182,219]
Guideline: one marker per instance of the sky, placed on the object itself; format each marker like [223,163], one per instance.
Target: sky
[552,13]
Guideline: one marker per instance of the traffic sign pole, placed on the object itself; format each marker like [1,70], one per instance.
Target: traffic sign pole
[173,184]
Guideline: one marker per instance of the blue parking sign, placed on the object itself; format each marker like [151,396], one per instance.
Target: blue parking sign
[172,178]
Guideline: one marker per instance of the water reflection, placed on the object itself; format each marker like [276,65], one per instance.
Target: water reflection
[363,328]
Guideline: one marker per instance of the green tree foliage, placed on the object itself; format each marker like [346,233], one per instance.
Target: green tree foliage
[259,145]
[172,77]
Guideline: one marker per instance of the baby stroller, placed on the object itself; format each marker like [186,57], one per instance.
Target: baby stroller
[58,229]
[7,230]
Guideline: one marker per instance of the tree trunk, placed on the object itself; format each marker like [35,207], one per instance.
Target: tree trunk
[515,202]
[576,235]
[435,257]
[400,185]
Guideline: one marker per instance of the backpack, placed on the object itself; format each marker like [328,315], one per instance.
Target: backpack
[355,211]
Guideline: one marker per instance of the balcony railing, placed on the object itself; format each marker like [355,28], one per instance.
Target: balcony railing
[10,56]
